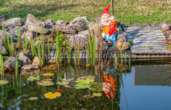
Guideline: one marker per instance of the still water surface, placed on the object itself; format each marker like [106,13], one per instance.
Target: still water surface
[141,87]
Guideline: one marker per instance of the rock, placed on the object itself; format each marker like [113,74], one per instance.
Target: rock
[122,37]
[80,40]
[60,22]
[91,24]
[36,61]
[2,19]
[49,24]
[33,21]
[86,32]
[37,29]
[7,35]
[3,50]
[164,27]
[10,63]
[79,24]
[122,45]
[46,37]
[64,29]
[23,58]
[30,35]
[30,67]
[13,21]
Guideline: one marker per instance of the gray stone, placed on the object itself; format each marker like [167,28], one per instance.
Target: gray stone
[86,32]
[10,63]
[36,61]
[79,24]
[64,29]
[164,27]
[30,67]
[49,24]
[44,37]
[122,37]
[122,45]
[2,19]
[13,21]
[3,50]
[32,20]
[79,39]
[7,35]
[29,36]
[60,22]
[37,29]
[24,59]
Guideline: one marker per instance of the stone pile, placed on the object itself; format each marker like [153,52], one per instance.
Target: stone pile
[166,29]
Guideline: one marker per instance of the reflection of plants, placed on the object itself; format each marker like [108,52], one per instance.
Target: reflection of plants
[83,83]
[1,64]
[16,66]
[33,78]
[131,42]
[18,38]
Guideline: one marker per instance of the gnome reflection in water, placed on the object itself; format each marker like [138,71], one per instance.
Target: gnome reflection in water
[109,28]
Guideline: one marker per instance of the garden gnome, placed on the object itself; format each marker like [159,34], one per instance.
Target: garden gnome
[109,28]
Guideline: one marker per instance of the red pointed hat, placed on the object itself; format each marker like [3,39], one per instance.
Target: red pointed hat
[106,10]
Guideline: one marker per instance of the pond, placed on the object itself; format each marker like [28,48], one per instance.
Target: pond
[139,87]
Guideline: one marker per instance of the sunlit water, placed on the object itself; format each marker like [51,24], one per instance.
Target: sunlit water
[144,87]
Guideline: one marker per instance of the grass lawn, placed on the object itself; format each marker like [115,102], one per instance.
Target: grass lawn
[126,11]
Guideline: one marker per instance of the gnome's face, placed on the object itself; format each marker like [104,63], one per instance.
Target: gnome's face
[105,19]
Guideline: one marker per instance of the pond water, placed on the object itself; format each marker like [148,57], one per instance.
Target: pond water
[139,87]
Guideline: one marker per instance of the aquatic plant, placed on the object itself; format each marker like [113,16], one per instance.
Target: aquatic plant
[49,67]
[16,66]
[18,38]
[169,47]
[3,82]
[93,50]
[62,83]
[51,95]
[47,80]
[125,57]
[33,78]
[45,83]
[48,49]
[75,59]
[121,58]
[57,48]
[33,98]
[97,94]
[130,42]
[1,64]
[149,47]
[4,36]
[25,44]
[116,62]
[12,46]
[69,53]
[83,83]
[48,74]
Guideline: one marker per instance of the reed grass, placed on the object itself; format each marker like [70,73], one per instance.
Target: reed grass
[78,54]
[48,49]
[25,44]
[121,57]
[116,62]
[18,38]
[75,59]
[69,53]
[12,46]
[16,66]
[1,65]
[93,50]
[4,36]
[125,57]
[57,48]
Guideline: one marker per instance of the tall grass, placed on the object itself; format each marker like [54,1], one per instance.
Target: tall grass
[12,46]
[58,59]
[125,57]
[69,53]
[18,38]
[4,36]
[93,50]
[1,64]
[25,44]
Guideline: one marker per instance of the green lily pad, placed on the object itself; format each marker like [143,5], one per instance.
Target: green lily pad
[3,82]
[33,98]
[45,83]
[62,83]
[81,86]
[33,78]
[97,94]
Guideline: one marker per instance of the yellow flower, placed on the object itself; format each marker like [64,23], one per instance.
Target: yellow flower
[51,95]
[48,74]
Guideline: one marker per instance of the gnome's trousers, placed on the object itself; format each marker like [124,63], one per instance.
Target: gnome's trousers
[112,39]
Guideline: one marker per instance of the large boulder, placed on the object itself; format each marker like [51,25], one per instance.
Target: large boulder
[30,67]
[60,22]
[23,58]
[36,61]
[13,22]
[2,19]
[122,45]
[32,20]
[165,27]
[10,63]
[64,29]
[79,39]
[3,50]
[29,35]
[37,29]
[7,35]
[79,24]
[86,32]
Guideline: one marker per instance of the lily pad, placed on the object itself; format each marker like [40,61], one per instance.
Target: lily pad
[47,79]
[48,74]
[97,94]
[33,98]
[50,67]
[3,82]
[62,83]
[45,83]
[33,78]
[51,95]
